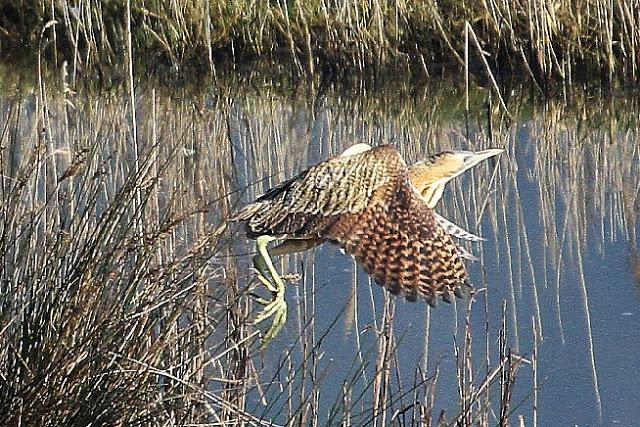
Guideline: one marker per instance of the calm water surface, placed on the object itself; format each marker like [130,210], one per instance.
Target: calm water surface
[559,211]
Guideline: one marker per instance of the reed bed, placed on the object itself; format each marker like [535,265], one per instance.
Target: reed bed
[109,292]
[548,40]
[125,296]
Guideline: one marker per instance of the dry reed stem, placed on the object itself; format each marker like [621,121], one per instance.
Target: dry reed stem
[549,40]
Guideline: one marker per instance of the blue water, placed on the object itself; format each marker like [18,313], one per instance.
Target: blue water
[563,204]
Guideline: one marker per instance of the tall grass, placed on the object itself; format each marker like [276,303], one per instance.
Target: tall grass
[548,40]
[108,289]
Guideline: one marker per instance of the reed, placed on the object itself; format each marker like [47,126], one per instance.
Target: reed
[551,41]
[105,308]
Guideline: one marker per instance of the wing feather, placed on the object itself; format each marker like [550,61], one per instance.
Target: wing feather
[456,230]
[400,243]
[304,205]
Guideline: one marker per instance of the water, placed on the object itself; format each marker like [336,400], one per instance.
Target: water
[559,211]
[560,218]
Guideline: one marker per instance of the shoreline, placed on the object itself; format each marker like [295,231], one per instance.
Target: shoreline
[547,44]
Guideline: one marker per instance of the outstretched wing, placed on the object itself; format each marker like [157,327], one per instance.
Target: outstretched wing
[306,204]
[400,243]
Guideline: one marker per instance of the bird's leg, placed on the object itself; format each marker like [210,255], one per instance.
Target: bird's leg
[292,246]
[277,307]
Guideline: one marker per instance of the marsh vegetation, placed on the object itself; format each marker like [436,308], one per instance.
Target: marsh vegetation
[550,41]
[124,295]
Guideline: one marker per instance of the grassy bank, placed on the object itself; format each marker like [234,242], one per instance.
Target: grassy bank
[545,39]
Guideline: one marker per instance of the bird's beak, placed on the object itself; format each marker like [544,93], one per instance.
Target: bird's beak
[476,157]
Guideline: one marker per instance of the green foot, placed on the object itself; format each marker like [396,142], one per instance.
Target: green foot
[277,307]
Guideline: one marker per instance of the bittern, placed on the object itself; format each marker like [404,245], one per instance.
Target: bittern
[367,201]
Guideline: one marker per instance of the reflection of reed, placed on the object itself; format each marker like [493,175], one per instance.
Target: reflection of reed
[557,168]
[584,179]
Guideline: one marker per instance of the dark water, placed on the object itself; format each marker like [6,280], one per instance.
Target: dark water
[560,219]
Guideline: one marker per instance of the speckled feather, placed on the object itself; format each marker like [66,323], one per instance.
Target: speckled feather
[366,204]
[401,245]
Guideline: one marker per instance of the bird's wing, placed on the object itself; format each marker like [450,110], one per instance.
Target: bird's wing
[464,253]
[456,230]
[302,205]
[400,243]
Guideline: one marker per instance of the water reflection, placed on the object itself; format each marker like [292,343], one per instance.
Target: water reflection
[559,213]
[560,221]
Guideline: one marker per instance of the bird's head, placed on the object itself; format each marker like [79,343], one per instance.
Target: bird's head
[431,175]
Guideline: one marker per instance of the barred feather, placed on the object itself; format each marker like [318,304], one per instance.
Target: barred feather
[403,247]
[300,206]
[366,203]
[456,230]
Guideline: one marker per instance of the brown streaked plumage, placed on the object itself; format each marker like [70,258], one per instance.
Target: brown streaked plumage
[365,201]
[429,177]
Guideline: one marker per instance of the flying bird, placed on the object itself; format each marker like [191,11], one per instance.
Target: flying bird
[367,201]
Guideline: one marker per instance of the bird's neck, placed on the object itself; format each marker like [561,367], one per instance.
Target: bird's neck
[427,184]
